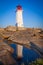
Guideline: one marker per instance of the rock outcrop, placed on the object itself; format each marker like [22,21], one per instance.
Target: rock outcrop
[26,37]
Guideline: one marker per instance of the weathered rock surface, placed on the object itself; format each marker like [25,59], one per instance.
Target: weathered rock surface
[6,58]
[5,54]
[6,47]
[12,28]
[28,38]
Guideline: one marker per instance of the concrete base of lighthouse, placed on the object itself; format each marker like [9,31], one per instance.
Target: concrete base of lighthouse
[19,51]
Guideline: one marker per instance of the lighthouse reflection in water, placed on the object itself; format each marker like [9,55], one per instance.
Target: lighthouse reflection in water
[29,55]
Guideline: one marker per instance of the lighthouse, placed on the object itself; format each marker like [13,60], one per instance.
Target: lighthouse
[19,24]
[19,16]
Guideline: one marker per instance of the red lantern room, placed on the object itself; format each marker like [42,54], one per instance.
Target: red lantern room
[19,7]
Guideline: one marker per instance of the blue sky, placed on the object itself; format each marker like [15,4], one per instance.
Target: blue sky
[32,12]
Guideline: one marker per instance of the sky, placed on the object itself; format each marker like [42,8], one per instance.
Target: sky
[32,13]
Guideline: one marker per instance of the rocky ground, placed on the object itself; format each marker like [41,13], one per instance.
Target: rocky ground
[26,37]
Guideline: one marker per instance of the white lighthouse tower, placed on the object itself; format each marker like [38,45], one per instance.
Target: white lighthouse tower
[19,16]
[19,24]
